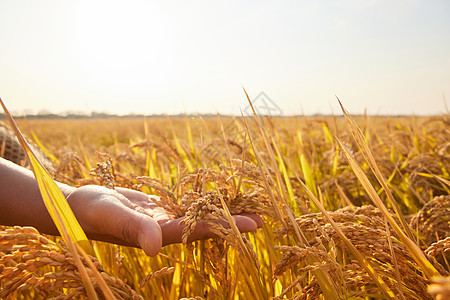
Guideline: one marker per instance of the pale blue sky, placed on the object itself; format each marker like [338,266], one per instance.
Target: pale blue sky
[386,56]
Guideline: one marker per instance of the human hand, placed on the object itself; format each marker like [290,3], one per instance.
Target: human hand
[129,217]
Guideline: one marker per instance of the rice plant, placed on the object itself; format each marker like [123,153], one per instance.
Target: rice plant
[353,208]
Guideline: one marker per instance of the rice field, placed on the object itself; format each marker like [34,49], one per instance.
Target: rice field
[353,208]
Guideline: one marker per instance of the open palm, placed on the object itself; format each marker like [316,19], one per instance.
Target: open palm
[131,218]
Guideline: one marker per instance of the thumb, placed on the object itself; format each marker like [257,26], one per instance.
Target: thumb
[149,235]
[127,227]
[106,215]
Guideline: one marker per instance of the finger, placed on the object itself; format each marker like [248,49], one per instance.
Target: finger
[245,223]
[133,194]
[136,196]
[141,202]
[149,236]
[254,217]
[172,232]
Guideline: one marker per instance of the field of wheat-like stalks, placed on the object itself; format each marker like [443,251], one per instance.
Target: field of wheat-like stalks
[355,208]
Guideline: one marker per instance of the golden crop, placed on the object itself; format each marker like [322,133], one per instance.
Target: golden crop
[330,228]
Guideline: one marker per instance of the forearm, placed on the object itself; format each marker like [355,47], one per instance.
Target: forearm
[20,199]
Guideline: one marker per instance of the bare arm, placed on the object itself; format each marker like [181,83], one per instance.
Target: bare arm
[20,199]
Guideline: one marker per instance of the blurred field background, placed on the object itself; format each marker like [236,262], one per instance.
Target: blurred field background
[353,250]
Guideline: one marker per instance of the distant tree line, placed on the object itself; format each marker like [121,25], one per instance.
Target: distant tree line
[98,115]
[103,115]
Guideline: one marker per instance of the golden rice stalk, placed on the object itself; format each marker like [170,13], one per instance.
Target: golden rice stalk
[428,269]
[30,261]
[161,272]
[324,279]
[294,283]
[362,143]
[378,280]
[246,250]
[441,246]
[215,256]
[203,175]
[190,191]
[364,228]
[70,169]
[105,170]
[167,200]
[205,210]
[432,222]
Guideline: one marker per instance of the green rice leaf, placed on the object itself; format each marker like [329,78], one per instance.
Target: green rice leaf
[309,178]
[327,133]
[183,154]
[189,134]
[38,142]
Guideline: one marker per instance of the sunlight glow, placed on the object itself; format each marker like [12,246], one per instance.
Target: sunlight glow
[122,43]
[153,57]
